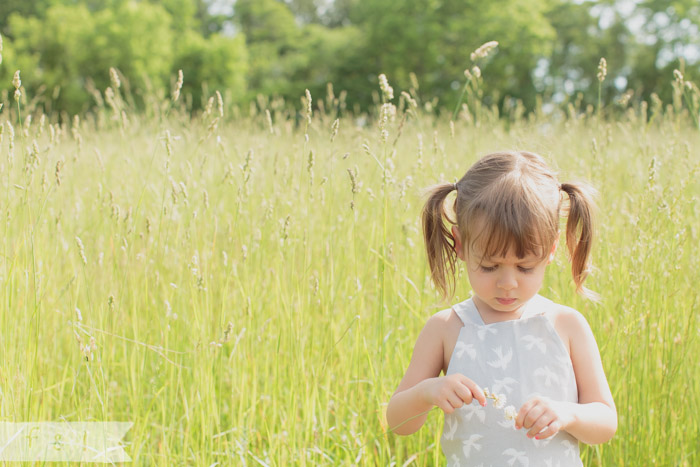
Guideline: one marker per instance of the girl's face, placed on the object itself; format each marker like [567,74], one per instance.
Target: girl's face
[502,285]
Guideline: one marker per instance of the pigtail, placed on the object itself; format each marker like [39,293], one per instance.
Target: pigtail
[439,242]
[580,224]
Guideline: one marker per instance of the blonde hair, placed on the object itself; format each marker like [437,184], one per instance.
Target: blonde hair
[508,200]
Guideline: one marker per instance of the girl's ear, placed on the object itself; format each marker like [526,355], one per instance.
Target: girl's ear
[458,243]
[554,250]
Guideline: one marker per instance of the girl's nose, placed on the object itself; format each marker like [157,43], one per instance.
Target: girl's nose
[506,281]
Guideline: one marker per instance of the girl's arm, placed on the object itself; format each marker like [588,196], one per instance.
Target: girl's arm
[594,419]
[422,388]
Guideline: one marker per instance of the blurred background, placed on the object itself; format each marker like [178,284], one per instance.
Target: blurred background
[247,48]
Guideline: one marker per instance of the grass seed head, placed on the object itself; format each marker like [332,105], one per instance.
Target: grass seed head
[81,250]
[602,69]
[220,103]
[268,117]
[483,50]
[17,83]
[387,91]
[114,78]
[678,77]
[414,80]
[178,85]
[334,128]
[309,110]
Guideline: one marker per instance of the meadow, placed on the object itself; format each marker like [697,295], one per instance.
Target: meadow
[246,285]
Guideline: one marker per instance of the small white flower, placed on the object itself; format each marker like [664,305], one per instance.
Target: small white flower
[510,413]
[499,401]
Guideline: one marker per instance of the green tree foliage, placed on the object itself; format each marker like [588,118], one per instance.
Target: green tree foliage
[286,58]
[71,43]
[580,42]
[21,7]
[74,44]
[216,63]
[434,39]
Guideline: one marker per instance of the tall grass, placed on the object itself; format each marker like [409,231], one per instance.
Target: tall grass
[246,312]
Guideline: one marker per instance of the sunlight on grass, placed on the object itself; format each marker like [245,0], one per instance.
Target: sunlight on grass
[250,288]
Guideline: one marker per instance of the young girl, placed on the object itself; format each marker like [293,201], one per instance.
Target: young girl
[507,345]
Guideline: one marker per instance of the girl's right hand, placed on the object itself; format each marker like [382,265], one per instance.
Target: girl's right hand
[452,392]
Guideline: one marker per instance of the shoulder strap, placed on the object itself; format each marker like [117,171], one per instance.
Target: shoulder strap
[467,312]
[538,305]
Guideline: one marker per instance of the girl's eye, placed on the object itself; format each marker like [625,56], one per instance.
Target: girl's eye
[488,268]
[525,270]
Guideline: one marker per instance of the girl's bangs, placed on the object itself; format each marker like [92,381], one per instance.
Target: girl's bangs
[522,232]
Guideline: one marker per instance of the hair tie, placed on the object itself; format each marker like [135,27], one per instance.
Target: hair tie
[455,186]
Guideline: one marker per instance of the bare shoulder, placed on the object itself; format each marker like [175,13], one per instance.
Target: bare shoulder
[569,323]
[569,317]
[438,326]
[443,318]
[428,358]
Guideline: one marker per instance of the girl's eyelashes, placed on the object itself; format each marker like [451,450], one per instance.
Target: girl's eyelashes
[493,268]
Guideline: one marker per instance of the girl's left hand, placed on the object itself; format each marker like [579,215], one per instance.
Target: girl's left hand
[542,413]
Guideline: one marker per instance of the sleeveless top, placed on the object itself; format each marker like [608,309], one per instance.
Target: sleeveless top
[520,359]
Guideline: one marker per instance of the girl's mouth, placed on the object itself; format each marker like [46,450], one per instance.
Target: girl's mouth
[506,301]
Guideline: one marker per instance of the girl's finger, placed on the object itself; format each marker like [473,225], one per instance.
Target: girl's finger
[524,409]
[543,421]
[445,406]
[551,430]
[455,401]
[477,392]
[532,416]
[464,393]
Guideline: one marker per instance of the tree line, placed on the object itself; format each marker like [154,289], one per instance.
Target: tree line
[548,49]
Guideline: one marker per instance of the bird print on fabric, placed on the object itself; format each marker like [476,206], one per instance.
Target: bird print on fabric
[505,384]
[550,463]
[503,359]
[570,450]
[565,362]
[469,411]
[462,347]
[481,333]
[452,424]
[548,375]
[533,341]
[517,456]
[469,444]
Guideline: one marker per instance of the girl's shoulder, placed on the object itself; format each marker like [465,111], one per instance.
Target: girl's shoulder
[444,321]
[444,326]
[562,315]
[568,322]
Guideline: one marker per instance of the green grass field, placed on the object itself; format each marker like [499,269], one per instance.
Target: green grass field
[254,294]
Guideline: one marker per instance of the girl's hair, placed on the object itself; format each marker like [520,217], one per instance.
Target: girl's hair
[508,201]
